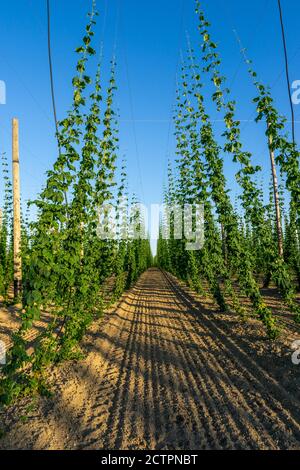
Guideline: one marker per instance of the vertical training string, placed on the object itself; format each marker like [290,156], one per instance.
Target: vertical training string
[51,69]
[287,70]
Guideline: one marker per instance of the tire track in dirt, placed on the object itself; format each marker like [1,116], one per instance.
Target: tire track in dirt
[269,395]
[163,373]
[231,422]
[228,430]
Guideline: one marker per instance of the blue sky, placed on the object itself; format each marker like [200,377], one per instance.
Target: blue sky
[150,36]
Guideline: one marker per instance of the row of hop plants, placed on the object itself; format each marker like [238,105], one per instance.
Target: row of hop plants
[6,235]
[6,241]
[241,246]
[65,262]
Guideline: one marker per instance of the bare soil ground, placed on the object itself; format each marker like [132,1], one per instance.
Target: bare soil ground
[10,321]
[165,371]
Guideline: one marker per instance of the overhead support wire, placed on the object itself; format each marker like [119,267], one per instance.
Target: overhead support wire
[175,84]
[132,120]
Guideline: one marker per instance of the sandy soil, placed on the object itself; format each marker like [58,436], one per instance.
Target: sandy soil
[10,321]
[165,371]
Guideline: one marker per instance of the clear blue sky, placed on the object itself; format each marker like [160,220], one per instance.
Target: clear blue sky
[149,38]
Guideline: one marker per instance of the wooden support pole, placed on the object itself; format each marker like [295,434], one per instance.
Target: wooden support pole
[17,211]
[276,199]
[82,248]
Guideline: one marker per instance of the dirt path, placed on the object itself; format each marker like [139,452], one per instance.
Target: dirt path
[163,372]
